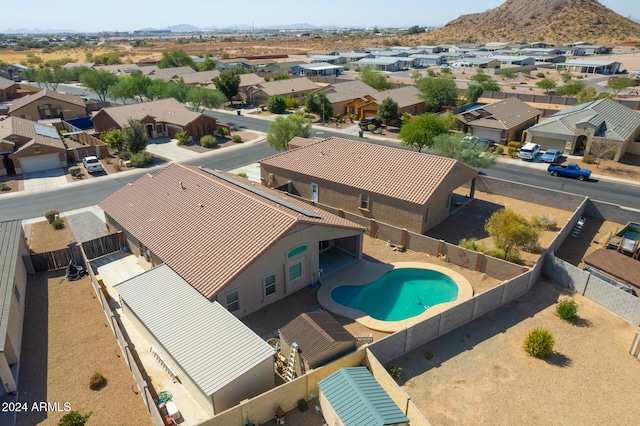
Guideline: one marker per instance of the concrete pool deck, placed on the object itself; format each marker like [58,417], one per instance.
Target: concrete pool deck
[363,272]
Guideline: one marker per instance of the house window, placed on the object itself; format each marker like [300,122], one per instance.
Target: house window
[232,302]
[426,214]
[16,293]
[296,251]
[141,247]
[364,201]
[295,271]
[269,285]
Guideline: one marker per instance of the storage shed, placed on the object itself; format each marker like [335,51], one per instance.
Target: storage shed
[218,359]
[353,397]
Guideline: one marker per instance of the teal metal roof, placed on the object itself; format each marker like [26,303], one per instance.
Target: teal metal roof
[359,400]
[10,234]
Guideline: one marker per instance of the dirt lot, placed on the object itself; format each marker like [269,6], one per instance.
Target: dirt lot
[65,341]
[44,238]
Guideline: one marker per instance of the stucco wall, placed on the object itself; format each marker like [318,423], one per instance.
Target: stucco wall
[31,111]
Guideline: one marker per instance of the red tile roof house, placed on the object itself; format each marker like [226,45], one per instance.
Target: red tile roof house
[398,187]
[26,146]
[48,104]
[161,118]
[236,242]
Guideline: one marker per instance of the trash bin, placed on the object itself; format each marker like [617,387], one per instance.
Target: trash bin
[361,133]
[239,112]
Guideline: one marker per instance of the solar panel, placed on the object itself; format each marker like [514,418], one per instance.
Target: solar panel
[47,131]
[261,193]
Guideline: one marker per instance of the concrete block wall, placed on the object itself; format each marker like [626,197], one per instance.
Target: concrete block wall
[419,334]
[460,256]
[611,212]
[614,299]
[515,287]
[487,301]
[456,316]
[390,347]
[566,274]
[422,243]
[501,269]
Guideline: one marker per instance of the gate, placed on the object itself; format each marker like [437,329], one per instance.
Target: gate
[51,260]
[101,246]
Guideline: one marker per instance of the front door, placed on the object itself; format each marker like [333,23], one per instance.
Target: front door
[314,192]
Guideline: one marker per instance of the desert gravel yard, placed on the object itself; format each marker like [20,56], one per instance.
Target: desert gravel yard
[65,341]
[480,375]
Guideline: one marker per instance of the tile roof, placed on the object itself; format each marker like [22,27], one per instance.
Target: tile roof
[315,332]
[196,222]
[169,73]
[202,77]
[404,96]
[216,352]
[37,133]
[289,85]
[359,400]
[373,168]
[250,79]
[46,93]
[298,142]
[349,90]
[71,65]
[163,110]
[506,114]
[5,83]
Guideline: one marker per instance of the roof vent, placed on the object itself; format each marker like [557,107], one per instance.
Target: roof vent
[182,186]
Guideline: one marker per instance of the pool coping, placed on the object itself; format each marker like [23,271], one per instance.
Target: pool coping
[363,272]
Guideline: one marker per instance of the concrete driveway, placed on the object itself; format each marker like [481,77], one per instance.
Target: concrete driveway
[169,149]
[44,180]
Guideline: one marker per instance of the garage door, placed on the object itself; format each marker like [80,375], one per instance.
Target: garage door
[40,162]
[484,133]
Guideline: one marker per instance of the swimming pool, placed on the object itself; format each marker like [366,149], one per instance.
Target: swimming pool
[399,294]
[631,231]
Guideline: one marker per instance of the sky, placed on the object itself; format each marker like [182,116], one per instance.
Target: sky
[129,15]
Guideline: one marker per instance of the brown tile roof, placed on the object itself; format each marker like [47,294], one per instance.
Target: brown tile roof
[202,77]
[290,85]
[206,229]
[506,114]
[396,173]
[315,332]
[616,265]
[16,126]
[5,83]
[404,96]
[49,94]
[299,142]
[169,73]
[163,110]
[349,90]
[119,68]
[247,80]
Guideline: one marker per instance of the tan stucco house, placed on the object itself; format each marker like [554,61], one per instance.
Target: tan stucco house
[47,104]
[402,188]
[26,146]
[296,88]
[161,118]
[236,242]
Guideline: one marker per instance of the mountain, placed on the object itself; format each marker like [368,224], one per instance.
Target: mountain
[552,21]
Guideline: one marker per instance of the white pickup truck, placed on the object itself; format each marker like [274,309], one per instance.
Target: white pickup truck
[92,164]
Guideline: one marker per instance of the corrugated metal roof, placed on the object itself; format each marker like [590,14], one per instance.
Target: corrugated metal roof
[315,332]
[10,234]
[372,168]
[212,346]
[359,400]
[196,222]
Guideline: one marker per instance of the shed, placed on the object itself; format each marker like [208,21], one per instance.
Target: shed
[621,268]
[213,354]
[353,397]
[320,338]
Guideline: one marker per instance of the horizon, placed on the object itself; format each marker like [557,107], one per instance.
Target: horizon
[329,14]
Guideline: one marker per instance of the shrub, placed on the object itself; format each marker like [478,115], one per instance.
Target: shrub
[371,127]
[236,139]
[208,141]
[499,150]
[50,215]
[124,155]
[291,102]
[141,159]
[589,159]
[57,224]
[74,418]
[539,343]
[223,132]
[429,355]
[514,144]
[242,175]
[540,75]
[394,372]
[4,187]
[567,309]
[74,171]
[545,222]
[472,244]
[513,152]
[97,381]
[262,107]
[182,138]
[276,104]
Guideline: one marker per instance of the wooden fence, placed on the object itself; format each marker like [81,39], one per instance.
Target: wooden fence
[101,246]
[51,260]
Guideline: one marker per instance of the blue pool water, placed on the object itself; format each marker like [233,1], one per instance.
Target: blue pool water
[399,294]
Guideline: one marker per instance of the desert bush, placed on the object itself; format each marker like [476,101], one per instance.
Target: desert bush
[223,132]
[499,150]
[291,102]
[545,222]
[117,167]
[589,159]
[74,171]
[512,152]
[236,139]
[539,343]
[567,309]
[276,104]
[57,224]
[498,253]
[540,75]
[141,159]
[208,141]
[74,418]
[4,187]
[50,215]
[97,381]
[472,244]
[394,372]
[532,247]
[371,127]
[182,138]
[124,155]
[514,144]
[242,175]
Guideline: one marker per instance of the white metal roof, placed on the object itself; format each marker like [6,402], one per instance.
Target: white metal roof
[210,344]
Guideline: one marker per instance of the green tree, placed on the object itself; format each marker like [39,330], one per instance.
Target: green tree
[416,75]
[566,77]
[415,30]
[618,84]
[570,89]
[473,92]
[276,104]
[114,139]
[480,76]
[156,89]
[422,131]
[208,64]
[547,84]
[508,74]
[317,103]
[283,129]
[176,58]
[490,86]
[473,156]
[228,83]
[437,91]
[375,79]
[511,231]
[99,81]
[589,94]
[388,111]
[134,137]
[177,90]
[202,98]
[120,91]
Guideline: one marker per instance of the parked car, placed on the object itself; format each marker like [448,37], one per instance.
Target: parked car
[469,140]
[529,151]
[487,143]
[571,170]
[551,155]
[92,164]
[365,122]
